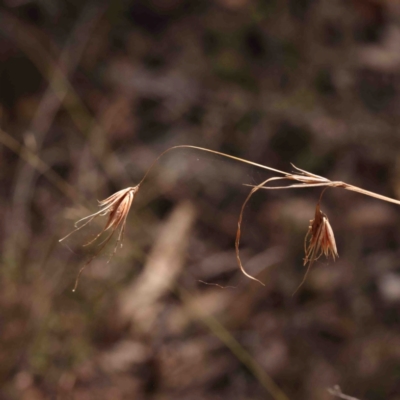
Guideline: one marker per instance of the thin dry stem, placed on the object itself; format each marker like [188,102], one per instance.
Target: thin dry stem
[322,239]
[185,146]
[308,180]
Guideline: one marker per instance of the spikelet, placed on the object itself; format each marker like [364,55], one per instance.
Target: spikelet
[117,207]
[319,241]
[321,238]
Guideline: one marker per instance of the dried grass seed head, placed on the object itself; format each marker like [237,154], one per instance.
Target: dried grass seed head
[117,207]
[321,238]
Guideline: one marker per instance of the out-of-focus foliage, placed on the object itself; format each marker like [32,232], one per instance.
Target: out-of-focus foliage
[97,91]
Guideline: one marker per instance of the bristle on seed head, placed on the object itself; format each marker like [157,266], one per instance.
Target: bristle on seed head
[117,207]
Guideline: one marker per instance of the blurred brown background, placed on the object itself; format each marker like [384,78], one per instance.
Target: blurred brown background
[91,93]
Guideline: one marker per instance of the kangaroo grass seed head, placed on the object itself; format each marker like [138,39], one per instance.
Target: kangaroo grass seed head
[116,207]
[319,241]
[321,238]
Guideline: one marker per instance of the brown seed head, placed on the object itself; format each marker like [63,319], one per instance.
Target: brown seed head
[322,239]
[117,207]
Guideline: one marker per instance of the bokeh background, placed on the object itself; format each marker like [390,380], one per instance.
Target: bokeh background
[92,92]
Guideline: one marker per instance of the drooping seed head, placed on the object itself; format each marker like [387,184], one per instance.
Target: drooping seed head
[321,238]
[117,207]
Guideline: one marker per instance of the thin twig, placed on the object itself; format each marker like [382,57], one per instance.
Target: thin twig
[183,146]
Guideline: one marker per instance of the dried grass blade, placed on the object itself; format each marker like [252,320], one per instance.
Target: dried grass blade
[238,232]
[309,173]
[300,185]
